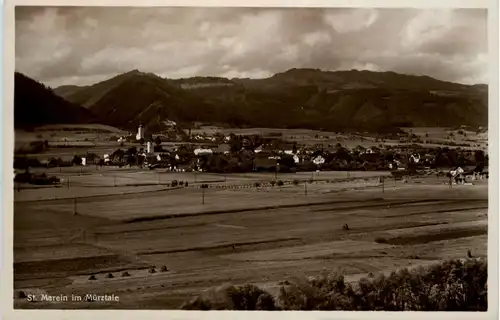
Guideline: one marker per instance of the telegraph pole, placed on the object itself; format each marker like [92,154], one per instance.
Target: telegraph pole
[74,206]
[305,188]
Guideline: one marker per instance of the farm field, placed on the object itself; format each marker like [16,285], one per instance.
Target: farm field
[260,235]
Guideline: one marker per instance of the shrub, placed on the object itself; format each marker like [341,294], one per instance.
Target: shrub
[295,182]
[452,285]
[174,183]
[181,183]
[228,297]
[280,183]
[256,184]
[125,274]
[310,181]
[186,183]
[273,183]
[109,275]
[164,269]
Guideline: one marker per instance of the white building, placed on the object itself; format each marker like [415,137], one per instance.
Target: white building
[149,147]
[202,151]
[140,133]
[319,160]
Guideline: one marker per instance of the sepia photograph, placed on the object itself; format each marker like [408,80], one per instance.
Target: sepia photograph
[251,158]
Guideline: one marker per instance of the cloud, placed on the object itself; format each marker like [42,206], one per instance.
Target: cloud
[81,45]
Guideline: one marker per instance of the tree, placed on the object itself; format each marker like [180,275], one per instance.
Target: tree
[234,144]
[158,140]
[287,161]
[479,156]
[132,150]
[77,160]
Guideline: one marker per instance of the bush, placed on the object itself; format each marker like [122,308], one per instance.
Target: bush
[295,182]
[174,183]
[256,184]
[228,297]
[181,183]
[186,183]
[452,285]
[280,183]
[273,183]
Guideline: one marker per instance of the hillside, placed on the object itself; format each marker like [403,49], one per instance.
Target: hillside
[35,105]
[133,98]
[307,98]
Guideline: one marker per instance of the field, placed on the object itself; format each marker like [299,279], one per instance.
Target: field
[231,232]
[438,137]
[115,220]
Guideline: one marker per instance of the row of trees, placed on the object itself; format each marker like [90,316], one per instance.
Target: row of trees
[453,285]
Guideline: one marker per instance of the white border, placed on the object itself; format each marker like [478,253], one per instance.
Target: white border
[6,304]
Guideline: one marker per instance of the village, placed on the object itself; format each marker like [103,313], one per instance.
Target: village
[231,153]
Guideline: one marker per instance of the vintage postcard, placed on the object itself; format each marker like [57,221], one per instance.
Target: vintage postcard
[331,157]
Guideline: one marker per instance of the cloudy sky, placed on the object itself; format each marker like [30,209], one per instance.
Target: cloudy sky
[83,45]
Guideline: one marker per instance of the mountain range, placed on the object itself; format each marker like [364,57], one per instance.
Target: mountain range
[297,98]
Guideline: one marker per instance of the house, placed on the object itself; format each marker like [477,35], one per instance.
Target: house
[318,160]
[202,151]
[91,158]
[296,159]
